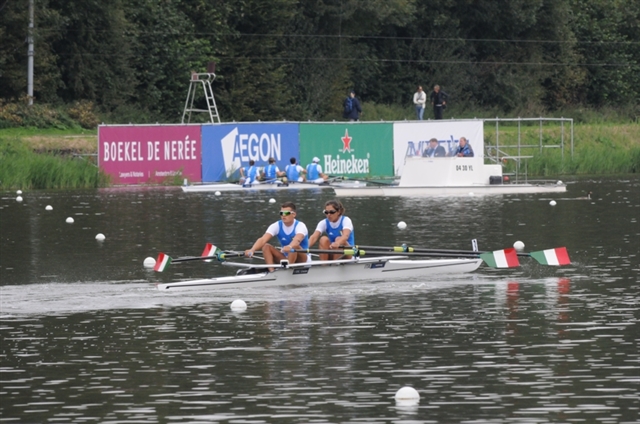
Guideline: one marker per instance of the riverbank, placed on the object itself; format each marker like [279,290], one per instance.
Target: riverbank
[52,158]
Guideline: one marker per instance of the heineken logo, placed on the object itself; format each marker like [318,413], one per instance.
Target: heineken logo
[346,142]
[346,164]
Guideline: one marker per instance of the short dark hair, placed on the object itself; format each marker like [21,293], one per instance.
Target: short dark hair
[293,161]
[252,162]
[336,204]
[272,160]
[289,205]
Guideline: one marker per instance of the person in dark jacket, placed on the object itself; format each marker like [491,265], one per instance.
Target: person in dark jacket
[439,101]
[352,108]
[434,150]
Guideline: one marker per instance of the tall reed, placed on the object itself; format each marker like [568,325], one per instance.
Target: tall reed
[24,169]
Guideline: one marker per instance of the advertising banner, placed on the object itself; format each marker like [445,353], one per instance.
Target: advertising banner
[137,154]
[351,150]
[412,138]
[227,147]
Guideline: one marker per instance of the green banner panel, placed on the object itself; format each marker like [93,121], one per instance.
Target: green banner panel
[349,149]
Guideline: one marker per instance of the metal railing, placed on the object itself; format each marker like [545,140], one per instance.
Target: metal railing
[498,152]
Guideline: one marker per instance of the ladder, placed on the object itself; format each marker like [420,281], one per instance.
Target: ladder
[201,80]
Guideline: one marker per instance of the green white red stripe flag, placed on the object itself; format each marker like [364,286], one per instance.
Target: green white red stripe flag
[506,258]
[162,263]
[556,257]
[209,250]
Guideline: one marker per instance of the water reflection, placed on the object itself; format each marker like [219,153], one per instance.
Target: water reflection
[84,336]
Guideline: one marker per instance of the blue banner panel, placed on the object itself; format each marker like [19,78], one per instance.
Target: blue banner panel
[228,147]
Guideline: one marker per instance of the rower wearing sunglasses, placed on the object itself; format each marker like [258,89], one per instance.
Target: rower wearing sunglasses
[292,234]
[339,230]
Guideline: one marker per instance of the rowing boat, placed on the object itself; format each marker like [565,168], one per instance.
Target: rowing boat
[213,187]
[316,272]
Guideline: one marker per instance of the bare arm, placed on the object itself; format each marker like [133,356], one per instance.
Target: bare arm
[259,244]
[314,238]
[295,243]
[342,239]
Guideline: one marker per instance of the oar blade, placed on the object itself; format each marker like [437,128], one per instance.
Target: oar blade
[553,257]
[162,263]
[209,250]
[506,258]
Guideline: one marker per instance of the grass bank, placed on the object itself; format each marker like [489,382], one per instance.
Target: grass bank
[23,168]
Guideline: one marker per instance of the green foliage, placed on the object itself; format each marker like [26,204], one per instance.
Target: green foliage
[21,168]
[295,60]
[38,115]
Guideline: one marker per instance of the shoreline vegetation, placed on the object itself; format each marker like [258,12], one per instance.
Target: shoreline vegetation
[62,155]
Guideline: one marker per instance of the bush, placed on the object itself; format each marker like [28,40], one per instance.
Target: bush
[83,113]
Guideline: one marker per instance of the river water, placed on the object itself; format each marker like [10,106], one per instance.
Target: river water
[86,337]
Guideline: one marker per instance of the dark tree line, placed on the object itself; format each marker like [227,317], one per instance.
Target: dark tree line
[295,59]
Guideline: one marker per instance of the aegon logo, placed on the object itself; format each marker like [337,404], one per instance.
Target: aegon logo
[240,148]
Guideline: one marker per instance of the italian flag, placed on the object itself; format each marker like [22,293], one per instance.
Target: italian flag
[557,256]
[507,258]
[162,263]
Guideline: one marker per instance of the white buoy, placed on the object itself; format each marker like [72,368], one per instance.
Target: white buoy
[149,262]
[19,192]
[69,220]
[559,182]
[217,193]
[100,237]
[272,200]
[402,225]
[552,203]
[519,246]
[19,199]
[48,208]
[238,305]
[407,396]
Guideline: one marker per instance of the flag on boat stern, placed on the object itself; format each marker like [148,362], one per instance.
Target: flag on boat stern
[557,256]
[162,263]
[507,258]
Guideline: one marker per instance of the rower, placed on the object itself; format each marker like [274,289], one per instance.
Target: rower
[295,173]
[339,230]
[292,234]
[249,174]
[314,172]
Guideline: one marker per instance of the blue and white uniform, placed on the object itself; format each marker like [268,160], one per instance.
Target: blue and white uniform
[271,171]
[294,172]
[250,174]
[466,151]
[286,234]
[313,173]
[334,229]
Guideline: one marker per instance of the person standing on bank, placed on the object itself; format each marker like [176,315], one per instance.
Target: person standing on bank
[314,172]
[352,108]
[435,150]
[419,99]
[464,149]
[439,101]
[339,230]
[292,234]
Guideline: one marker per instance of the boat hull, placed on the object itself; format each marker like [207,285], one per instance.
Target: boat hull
[369,269]
[431,191]
[223,187]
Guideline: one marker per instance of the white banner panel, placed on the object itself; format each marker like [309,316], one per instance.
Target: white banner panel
[412,138]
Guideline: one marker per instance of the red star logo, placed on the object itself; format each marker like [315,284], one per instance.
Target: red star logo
[346,141]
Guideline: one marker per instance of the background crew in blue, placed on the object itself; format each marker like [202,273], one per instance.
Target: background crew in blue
[464,149]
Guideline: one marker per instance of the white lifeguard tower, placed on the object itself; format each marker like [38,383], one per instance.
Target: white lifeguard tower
[202,80]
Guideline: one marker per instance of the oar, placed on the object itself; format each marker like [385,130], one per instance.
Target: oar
[506,258]
[555,257]
[210,253]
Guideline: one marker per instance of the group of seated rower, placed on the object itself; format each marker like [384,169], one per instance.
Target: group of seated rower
[293,172]
[294,238]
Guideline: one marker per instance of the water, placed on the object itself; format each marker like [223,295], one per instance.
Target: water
[85,337]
